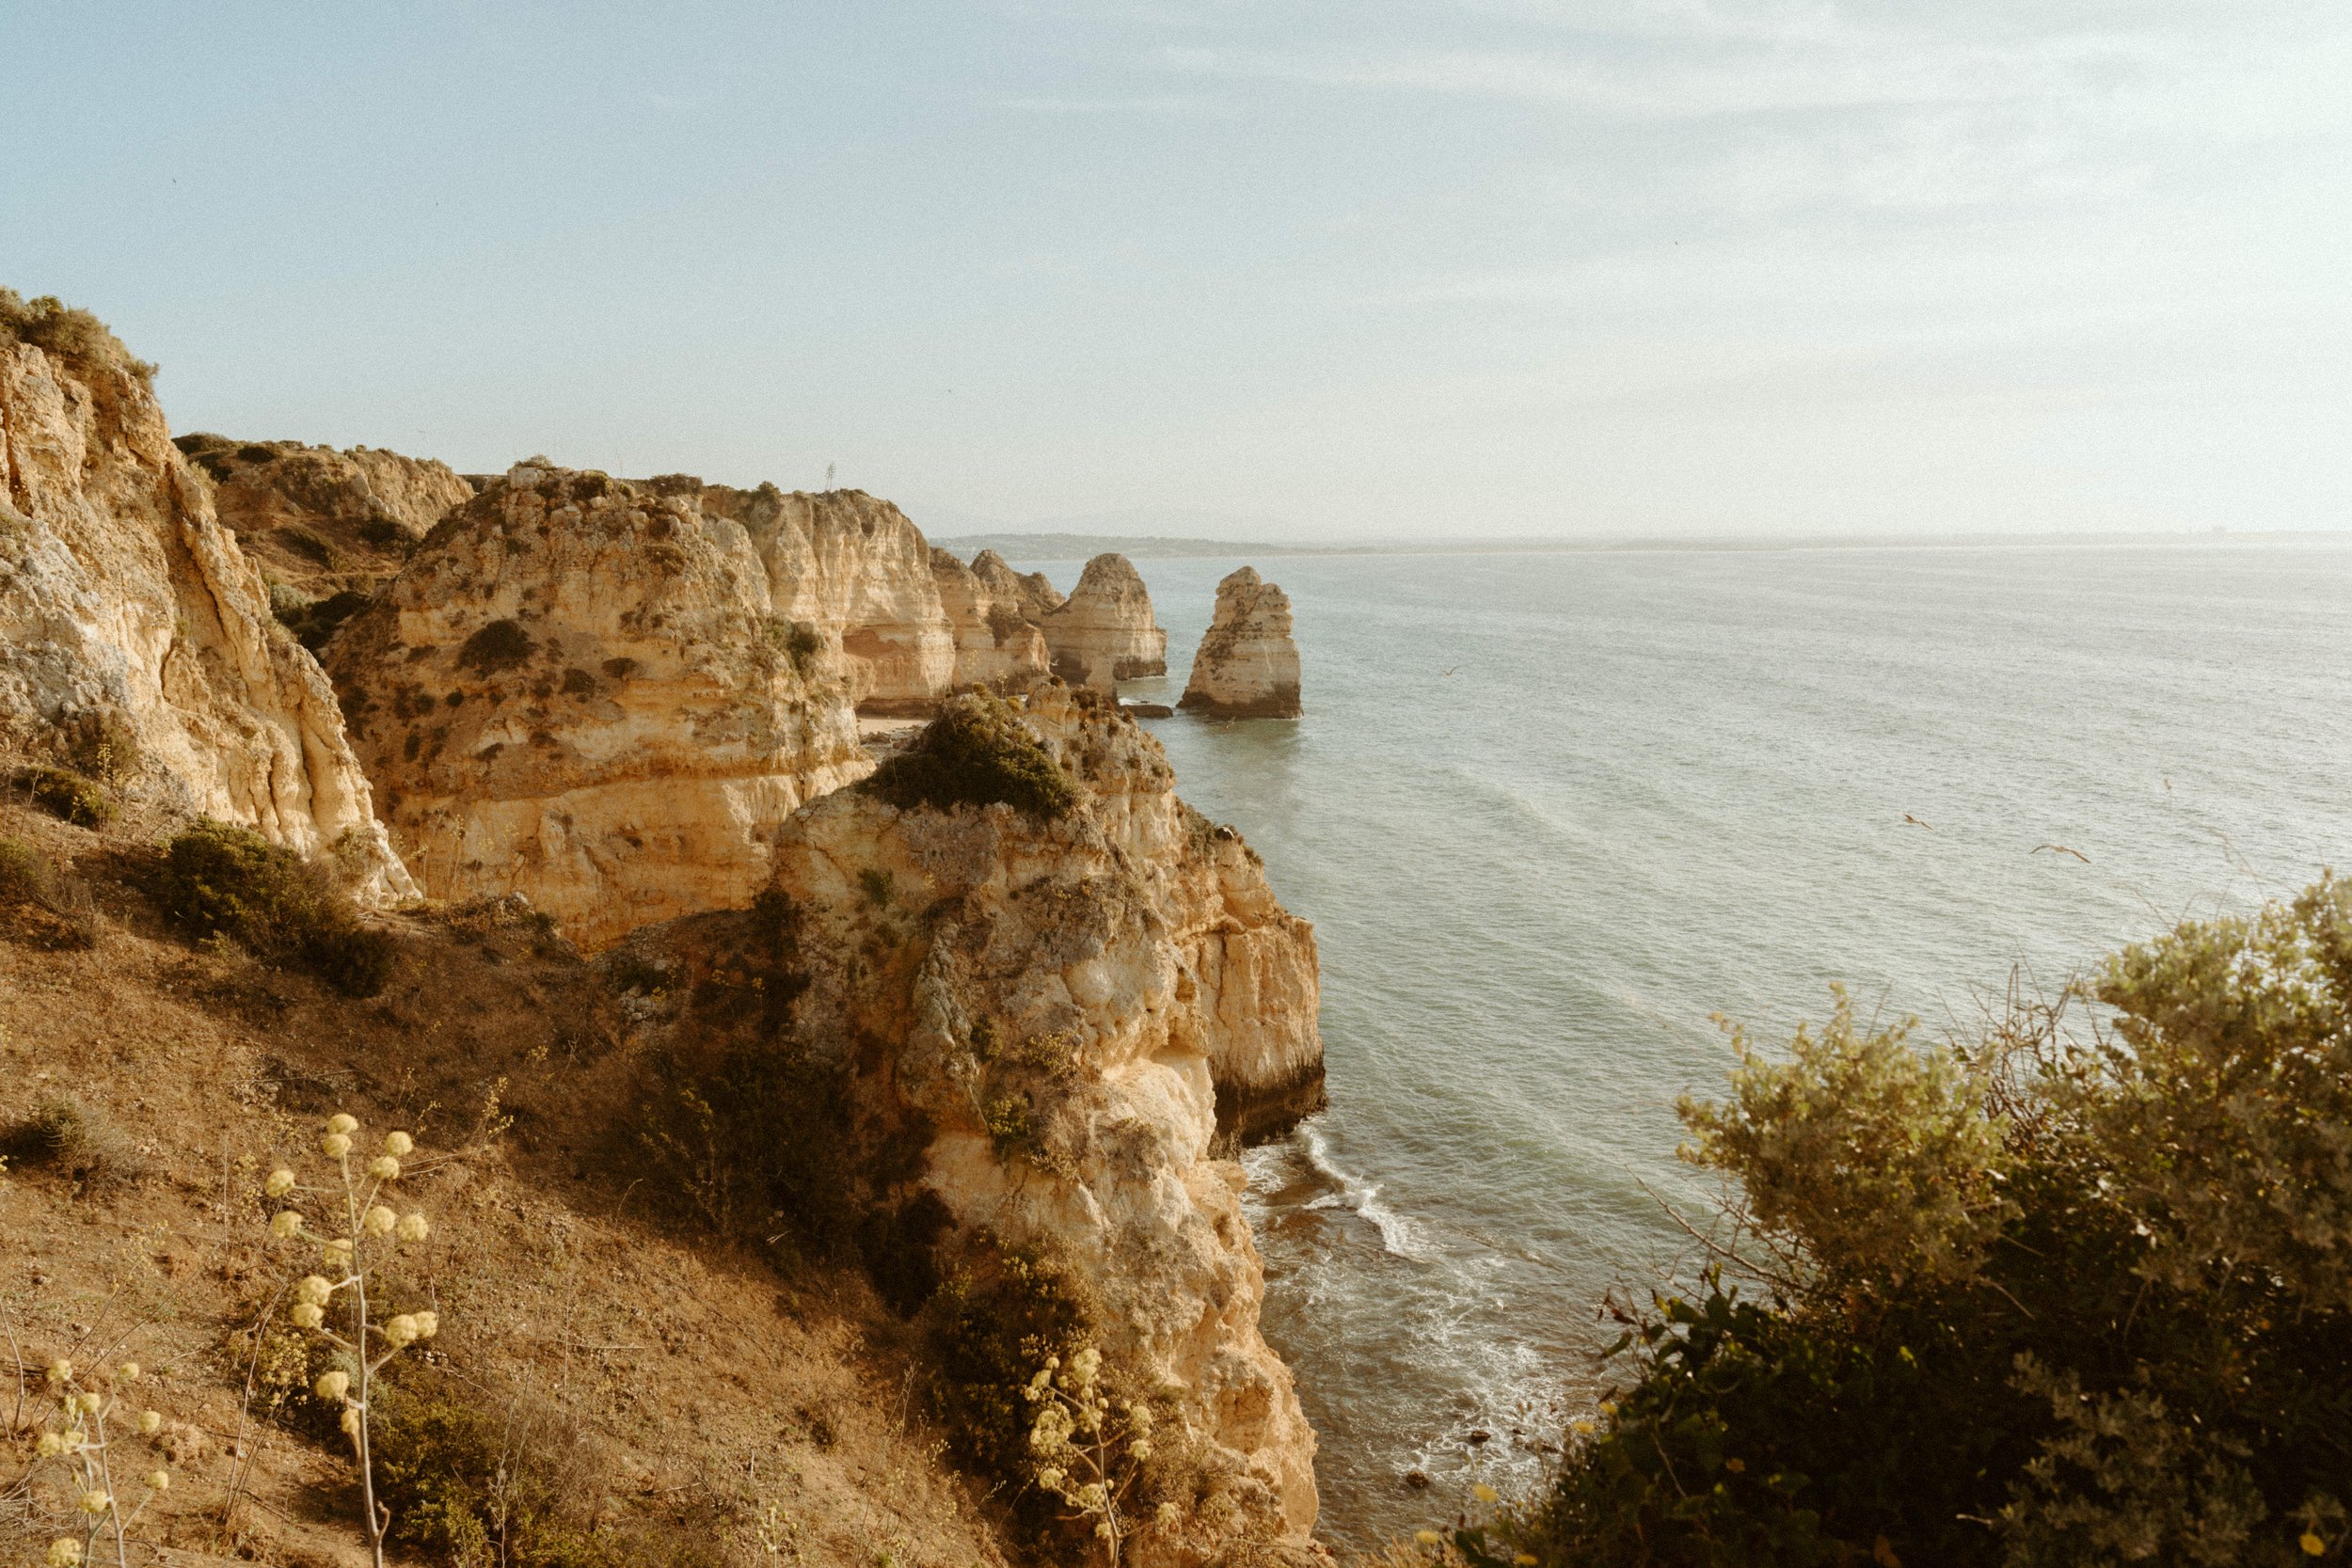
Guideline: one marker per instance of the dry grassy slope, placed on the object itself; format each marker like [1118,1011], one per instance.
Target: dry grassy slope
[712,1392]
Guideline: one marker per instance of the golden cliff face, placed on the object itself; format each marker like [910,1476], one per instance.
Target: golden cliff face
[1104,633]
[1144,949]
[998,645]
[136,637]
[853,568]
[1248,666]
[582,690]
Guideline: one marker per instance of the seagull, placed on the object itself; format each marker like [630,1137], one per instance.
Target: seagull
[1917,823]
[2062,849]
[1447,674]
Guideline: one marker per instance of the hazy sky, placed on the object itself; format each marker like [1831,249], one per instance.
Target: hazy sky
[1371,268]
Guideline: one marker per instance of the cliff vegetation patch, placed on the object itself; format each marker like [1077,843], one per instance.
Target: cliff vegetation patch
[2071,1292]
[68,796]
[71,335]
[976,752]
[221,881]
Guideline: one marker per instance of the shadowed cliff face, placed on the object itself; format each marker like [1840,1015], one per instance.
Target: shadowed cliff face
[1066,1007]
[1248,666]
[580,690]
[137,639]
[323,521]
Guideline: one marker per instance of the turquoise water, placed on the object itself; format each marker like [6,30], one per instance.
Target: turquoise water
[1657,785]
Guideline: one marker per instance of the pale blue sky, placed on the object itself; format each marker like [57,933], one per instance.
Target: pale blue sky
[1383,268]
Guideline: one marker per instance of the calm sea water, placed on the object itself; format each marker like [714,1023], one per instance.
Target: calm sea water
[1550,813]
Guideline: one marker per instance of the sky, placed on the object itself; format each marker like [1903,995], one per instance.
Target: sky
[1379,269]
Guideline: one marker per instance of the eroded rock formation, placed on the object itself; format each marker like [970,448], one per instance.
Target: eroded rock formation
[582,690]
[1248,666]
[1103,633]
[1069,1007]
[136,637]
[997,644]
[1035,598]
[856,569]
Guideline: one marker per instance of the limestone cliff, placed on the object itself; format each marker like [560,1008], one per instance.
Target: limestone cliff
[853,568]
[136,637]
[998,645]
[1030,593]
[1060,1004]
[319,520]
[1248,666]
[582,690]
[1103,633]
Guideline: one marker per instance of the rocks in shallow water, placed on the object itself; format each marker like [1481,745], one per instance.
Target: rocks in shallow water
[1103,633]
[1147,710]
[1248,666]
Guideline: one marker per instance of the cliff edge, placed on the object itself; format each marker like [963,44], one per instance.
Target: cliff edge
[580,689]
[136,640]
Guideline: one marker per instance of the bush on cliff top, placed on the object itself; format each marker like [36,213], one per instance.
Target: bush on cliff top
[73,336]
[978,752]
[2040,1300]
[225,880]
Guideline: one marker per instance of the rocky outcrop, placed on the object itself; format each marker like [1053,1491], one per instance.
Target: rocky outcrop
[1103,633]
[854,568]
[1030,593]
[582,690]
[136,637]
[365,493]
[1248,666]
[998,645]
[1060,1005]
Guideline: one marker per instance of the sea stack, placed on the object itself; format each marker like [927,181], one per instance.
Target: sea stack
[1248,666]
[1103,633]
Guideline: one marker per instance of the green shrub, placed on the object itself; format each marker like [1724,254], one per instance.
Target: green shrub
[220,880]
[977,751]
[2046,1300]
[992,1326]
[68,796]
[478,1482]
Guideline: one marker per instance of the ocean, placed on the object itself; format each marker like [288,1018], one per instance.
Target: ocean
[1552,813]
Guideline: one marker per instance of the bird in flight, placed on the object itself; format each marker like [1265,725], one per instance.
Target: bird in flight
[2062,849]
[1447,674]
[1917,823]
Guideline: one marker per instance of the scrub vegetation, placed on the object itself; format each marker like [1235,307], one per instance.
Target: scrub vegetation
[2076,1291]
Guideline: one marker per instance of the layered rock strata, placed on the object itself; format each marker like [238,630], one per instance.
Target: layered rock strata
[582,690]
[136,639]
[857,570]
[1103,633]
[1248,664]
[998,645]
[1066,1007]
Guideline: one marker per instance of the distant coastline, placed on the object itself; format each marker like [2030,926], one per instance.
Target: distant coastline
[1083,547]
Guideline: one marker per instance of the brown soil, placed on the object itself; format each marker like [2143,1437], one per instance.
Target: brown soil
[736,1409]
